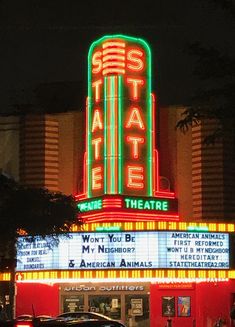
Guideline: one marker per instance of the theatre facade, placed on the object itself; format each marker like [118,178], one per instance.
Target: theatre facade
[135,258]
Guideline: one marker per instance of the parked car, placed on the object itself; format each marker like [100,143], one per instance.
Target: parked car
[24,317]
[80,323]
[27,320]
[82,315]
[44,317]
[31,317]
[96,323]
[68,323]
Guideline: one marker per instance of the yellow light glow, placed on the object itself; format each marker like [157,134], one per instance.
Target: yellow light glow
[5,276]
[106,275]
[230,228]
[213,227]
[164,225]
[113,44]
[182,226]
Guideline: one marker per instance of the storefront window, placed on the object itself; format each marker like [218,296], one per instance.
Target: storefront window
[107,305]
[72,303]
[137,310]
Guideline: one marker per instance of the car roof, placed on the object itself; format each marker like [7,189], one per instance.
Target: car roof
[23,316]
[96,323]
[81,323]
[31,316]
[71,314]
[73,323]
[74,312]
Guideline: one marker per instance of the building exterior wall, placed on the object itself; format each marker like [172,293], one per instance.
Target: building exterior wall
[202,175]
[41,297]
[9,146]
[212,174]
[209,301]
[71,152]
[207,171]
[44,150]
[39,151]
[175,154]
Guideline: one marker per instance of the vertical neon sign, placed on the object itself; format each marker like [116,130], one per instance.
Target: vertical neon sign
[120,143]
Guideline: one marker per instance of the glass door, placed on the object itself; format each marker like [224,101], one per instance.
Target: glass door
[108,305]
[72,303]
[137,310]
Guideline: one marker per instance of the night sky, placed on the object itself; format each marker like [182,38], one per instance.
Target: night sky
[46,42]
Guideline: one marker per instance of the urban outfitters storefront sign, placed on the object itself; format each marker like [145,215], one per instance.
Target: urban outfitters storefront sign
[127,250]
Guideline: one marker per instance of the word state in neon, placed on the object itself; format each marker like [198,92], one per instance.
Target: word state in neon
[118,131]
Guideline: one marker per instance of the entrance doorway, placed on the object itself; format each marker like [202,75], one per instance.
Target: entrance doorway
[108,305]
[137,310]
[73,303]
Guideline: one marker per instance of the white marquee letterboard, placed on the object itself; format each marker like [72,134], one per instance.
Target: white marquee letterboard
[127,250]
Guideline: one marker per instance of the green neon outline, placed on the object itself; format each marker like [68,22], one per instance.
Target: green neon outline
[105,135]
[120,135]
[88,151]
[150,148]
[89,146]
[113,120]
[149,159]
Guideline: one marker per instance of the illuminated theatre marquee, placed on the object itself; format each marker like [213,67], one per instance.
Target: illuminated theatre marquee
[121,157]
[127,250]
[148,204]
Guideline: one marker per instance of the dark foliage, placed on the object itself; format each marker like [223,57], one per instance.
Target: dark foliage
[228,5]
[34,212]
[215,96]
